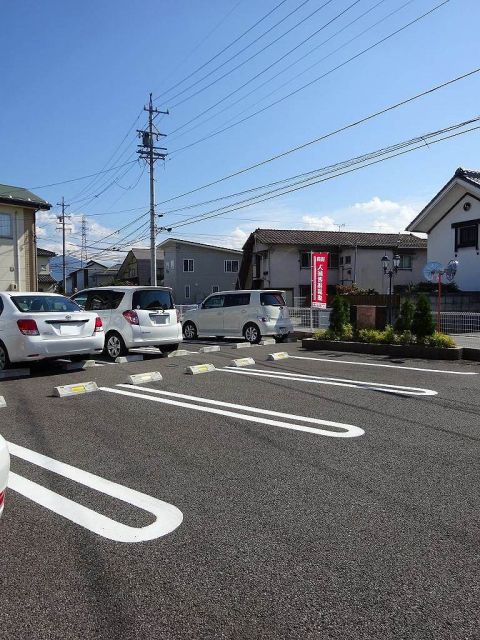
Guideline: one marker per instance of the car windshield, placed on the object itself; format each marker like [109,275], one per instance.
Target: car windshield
[152,300]
[44,304]
[274,299]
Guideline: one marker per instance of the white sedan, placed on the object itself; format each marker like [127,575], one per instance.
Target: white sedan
[39,326]
[4,470]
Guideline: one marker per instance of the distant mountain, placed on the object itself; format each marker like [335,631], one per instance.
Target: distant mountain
[56,268]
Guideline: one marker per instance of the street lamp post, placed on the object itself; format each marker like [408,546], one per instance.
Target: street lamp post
[390,269]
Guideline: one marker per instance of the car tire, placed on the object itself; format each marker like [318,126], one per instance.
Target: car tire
[190,331]
[114,345]
[282,338]
[251,333]
[4,360]
[168,348]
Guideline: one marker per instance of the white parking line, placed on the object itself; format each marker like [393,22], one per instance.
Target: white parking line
[338,382]
[387,366]
[167,516]
[347,430]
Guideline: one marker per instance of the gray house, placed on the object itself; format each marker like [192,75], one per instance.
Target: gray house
[280,258]
[135,269]
[196,270]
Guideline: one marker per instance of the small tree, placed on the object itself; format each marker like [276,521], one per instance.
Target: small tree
[423,324]
[405,319]
[340,315]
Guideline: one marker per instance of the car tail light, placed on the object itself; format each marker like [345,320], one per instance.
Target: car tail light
[2,498]
[98,324]
[131,317]
[28,327]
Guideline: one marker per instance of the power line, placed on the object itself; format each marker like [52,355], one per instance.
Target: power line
[257,53]
[205,38]
[315,80]
[292,64]
[260,73]
[330,134]
[202,66]
[419,141]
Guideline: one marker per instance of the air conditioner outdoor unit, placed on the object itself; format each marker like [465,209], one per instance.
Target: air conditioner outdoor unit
[13,286]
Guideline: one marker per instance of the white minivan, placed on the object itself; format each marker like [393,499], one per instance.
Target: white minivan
[134,317]
[251,314]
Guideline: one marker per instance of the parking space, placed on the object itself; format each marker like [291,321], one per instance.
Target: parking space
[317,495]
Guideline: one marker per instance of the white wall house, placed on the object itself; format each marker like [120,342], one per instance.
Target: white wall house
[451,220]
[45,280]
[18,251]
[280,258]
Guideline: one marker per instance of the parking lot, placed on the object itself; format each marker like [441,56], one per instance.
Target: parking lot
[320,495]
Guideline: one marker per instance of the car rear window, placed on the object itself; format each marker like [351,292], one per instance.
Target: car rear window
[152,300]
[44,304]
[272,299]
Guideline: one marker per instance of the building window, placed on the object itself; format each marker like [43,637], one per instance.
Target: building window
[405,262]
[348,259]
[215,288]
[466,234]
[333,260]
[340,260]
[187,291]
[306,260]
[5,225]
[231,266]
[188,265]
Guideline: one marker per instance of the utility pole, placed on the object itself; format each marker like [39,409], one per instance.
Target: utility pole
[83,252]
[149,152]
[61,220]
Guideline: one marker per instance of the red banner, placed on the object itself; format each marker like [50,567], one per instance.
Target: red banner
[319,280]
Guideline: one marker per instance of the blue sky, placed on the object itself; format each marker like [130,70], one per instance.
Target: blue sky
[76,75]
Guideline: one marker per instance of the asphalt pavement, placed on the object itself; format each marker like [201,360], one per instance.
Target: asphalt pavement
[320,496]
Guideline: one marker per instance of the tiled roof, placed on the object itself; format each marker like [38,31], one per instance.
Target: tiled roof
[339,238]
[45,253]
[21,196]
[142,254]
[469,176]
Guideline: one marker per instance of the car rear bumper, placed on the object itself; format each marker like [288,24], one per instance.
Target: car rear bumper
[276,328]
[166,334]
[35,348]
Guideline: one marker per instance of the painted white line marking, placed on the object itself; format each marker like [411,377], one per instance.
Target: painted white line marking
[338,382]
[387,366]
[167,516]
[2,402]
[350,431]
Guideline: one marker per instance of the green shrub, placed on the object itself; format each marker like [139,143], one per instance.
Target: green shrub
[440,340]
[340,314]
[423,324]
[370,335]
[405,319]
[406,337]
[320,334]
[389,336]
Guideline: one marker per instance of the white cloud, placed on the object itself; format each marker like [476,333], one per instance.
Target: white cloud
[320,223]
[386,216]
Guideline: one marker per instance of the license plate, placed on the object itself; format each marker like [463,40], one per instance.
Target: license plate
[69,330]
[159,319]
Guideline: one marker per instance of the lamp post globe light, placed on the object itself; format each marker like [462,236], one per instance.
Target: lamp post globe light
[390,269]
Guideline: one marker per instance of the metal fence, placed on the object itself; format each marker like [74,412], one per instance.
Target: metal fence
[464,327]
[459,322]
[308,318]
